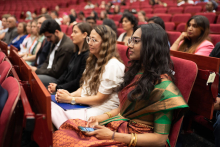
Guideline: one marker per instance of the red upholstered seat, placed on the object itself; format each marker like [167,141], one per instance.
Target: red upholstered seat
[211,16]
[64,28]
[165,17]
[122,52]
[178,18]
[120,31]
[193,9]
[214,38]
[173,10]
[215,28]
[181,27]
[173,36]
[218,19]
[169,26]
[13,88]
[69,30]
[117,17]
[148,10]
[184,83]
[5,68]
[99,22]
[2,57]
[160,10]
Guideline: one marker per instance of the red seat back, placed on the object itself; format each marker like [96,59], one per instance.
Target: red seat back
[173,36]
[2,57]
[181,27]
[122,52]
[64,28]
[120,31]
[185,84]
[13,88]
[165,17]
[160,10]
[173,10]
[178,18]
[214,38]
[169,26]
[215,28]
[211,16]
[193,9]
[218,19]
[69,30]
[5,68]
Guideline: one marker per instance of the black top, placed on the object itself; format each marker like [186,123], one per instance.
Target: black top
[70,79]
[216,53]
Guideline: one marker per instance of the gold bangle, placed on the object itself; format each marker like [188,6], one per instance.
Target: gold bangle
[109,114]
[132,139]
[135,140]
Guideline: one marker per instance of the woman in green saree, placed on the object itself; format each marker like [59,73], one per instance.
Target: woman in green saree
[148,100]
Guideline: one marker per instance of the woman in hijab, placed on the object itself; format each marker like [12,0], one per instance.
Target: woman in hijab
[28,15]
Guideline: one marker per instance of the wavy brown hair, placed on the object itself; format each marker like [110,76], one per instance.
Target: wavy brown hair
[95,67]
[203,24]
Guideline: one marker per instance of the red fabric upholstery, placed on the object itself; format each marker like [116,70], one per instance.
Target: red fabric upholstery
[122,52]
[193,9]
[120,31]
[215,28]
[184,83]
[169,26]
[211,16]
[178,18]
[99,22]
[181,27]
[5,68]
[201,4]
[173,36]
[2,57]
[148,10]
[165,17]
[13,88]
[201,120]
[64,28]
[117,17]
[175,10]
[160,10]
[69,30]
[214,38]
[218,20]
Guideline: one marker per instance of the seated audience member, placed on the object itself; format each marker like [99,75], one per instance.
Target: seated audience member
[45,45]
[92,21]
[111,24]
[3,98]
[60,53]
[117,9]
[55,16]
[129,24]
[4,28]
[210,7]
[69,80]
[94,14]
[107,9]
[89,5]
[33,15]
[12,30]
[103,15]
[82,16]
[22,34]
[201,1]
[57,9]
[181,2]
[66,20]
[145,115]
[216,53]
[100,79]
[30,55]
[123,3]
[116,1]
[28,16]
[73,12]
[142,17]
[195,39]
[44,10]
[102,5]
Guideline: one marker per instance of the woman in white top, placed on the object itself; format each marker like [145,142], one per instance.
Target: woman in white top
[129,24]
[103,73]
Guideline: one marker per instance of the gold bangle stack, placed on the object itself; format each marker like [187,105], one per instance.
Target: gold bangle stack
[133,141]
[109,114]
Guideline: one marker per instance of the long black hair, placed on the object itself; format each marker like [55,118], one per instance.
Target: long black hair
[154,61]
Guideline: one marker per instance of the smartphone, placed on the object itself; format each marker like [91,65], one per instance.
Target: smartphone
[86,129]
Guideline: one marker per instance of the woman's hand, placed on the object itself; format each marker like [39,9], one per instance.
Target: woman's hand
[92,122]
[183,36]
[102,133]
[63,97]
[52,87]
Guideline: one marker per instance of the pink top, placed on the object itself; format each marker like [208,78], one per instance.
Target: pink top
[205,48]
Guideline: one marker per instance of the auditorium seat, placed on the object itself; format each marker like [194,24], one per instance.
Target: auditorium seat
[211,16]
[218,19]
[69,30]
[165,17]
[148,10]
[214,38]
[117,17]
[64,28]
[201,4]
[169,26]
[2,57]
[215,28]
[120,31]
[13,88]
[160,10]
[181,27]
[182,67]
[122,52]
[178,18]
[174,10]
[193,9]
[173,36]
[5,68]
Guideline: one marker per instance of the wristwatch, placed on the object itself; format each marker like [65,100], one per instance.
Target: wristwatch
[73,101]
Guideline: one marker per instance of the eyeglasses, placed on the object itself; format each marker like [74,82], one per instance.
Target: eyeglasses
[92,40]
[134,40]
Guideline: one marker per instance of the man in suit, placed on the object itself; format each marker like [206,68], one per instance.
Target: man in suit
[60,52]
[12,30]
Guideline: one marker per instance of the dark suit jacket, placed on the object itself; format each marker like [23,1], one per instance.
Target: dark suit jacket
[10,35]
[61,59]
[3,98]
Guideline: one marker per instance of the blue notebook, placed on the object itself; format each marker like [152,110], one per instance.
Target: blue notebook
[67,106]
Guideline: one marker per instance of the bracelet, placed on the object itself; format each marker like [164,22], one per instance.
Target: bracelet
[135,140]
[132,139]
[113,135]
[109,114]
